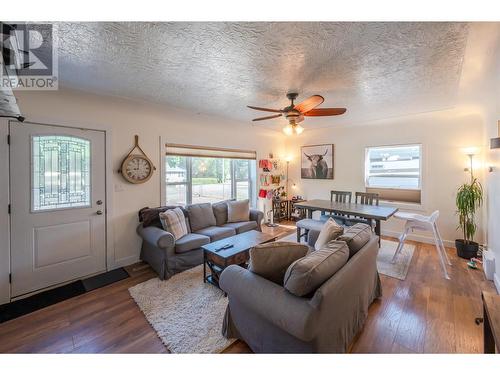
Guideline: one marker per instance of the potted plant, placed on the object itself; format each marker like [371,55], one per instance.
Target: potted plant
[469,200]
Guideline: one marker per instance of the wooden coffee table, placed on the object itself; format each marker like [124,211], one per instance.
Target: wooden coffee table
[216,260]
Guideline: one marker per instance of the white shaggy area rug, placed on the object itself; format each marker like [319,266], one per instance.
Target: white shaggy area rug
[398,269]
[186,313]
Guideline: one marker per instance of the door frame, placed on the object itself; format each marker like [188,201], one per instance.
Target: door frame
[5,226]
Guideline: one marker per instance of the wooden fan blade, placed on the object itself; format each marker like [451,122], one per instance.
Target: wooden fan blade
[265,109]
[266,118]
[325,112]
[309,103]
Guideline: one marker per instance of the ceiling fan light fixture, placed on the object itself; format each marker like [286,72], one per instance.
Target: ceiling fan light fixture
[295,113]
[293,128]
[288,130]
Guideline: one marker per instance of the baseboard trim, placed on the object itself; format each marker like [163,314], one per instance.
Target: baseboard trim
[496,280]
[417,237]
[123,262]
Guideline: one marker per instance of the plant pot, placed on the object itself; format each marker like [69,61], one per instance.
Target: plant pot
[466,250]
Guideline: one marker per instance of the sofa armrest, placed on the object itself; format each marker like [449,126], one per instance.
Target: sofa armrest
[156,237]
[257,216]
[270,301]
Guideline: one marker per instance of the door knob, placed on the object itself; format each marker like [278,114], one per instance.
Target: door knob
[99,202]
[99,212]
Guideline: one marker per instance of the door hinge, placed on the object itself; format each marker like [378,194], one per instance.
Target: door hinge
[10,278]
[9,209]
[8,139]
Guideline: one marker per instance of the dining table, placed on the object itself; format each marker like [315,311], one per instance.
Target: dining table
[365,211]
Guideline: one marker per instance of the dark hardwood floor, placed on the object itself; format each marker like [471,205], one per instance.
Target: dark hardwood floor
[423,314]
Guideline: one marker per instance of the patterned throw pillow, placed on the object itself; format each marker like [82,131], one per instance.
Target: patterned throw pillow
[174,221]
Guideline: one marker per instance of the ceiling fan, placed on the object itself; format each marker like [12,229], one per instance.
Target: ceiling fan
[295,113]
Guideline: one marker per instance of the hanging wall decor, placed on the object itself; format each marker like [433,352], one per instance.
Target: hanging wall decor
[137,168]
[317,162]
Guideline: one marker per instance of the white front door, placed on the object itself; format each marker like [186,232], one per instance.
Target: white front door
[58,208]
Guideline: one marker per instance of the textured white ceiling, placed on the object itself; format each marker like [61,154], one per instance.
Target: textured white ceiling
[375,70]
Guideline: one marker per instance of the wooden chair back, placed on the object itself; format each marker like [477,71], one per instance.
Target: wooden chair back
[367,198]
[340,196]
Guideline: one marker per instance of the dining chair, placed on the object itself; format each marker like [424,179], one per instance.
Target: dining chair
[371,199]
[423,223]
[338,196]
[305,225]
[367,198]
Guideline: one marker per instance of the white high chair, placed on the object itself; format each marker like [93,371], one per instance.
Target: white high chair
[423,223]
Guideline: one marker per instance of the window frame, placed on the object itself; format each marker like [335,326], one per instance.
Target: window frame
[187,183]
[420,178]
[189,180]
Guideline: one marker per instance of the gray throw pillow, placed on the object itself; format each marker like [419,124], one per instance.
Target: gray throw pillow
[272,259]
[356,237]
[200,216]
[220,212]
[307,274]
[238,211]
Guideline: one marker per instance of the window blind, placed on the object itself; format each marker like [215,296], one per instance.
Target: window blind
[397,195]
[209,152]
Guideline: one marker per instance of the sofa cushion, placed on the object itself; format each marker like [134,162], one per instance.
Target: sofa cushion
[173,221]
[330,231]
[242,226]
[200,216]
[238,211]
[271,260]
[220,212]
[190,242]
[151,216]
[356,237]
[217,233]
[305,275]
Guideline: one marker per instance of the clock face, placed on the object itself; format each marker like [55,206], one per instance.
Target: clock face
[137,169]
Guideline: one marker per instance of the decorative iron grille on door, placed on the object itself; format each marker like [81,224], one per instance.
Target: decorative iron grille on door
[60,172]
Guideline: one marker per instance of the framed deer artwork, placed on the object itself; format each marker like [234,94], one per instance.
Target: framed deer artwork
[317,162]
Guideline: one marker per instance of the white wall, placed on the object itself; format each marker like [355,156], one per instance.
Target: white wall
[487,101]
[480,92]
[442,135]
[125,118]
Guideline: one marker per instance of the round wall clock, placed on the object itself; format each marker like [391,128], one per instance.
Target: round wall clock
[137,168]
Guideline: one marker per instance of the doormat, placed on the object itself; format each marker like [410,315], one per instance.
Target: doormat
[38,301]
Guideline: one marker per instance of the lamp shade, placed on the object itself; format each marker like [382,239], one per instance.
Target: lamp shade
[288,130]
[495,143]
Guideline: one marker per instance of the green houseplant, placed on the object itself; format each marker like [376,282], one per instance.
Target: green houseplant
[469,200]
